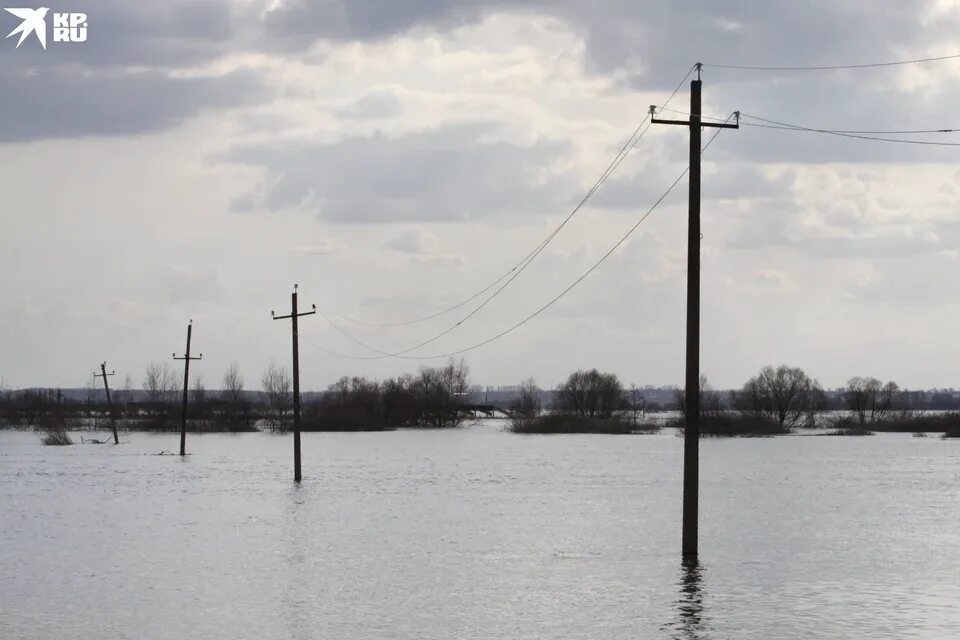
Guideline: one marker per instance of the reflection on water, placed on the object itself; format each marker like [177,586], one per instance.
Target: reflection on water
[689,623]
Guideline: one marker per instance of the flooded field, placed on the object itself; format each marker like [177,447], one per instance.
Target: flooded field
[478,533]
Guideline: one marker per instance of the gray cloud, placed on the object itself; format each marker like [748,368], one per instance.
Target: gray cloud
[127,33]
[122,79]
[380,103]
[819,246]
[623,33]
[60,104]
[415,241]
[452,173]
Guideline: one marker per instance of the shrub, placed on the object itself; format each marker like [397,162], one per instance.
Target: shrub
[57,437]
[906,422]
[848,426]
[725,425]
[850,431]
[570,423]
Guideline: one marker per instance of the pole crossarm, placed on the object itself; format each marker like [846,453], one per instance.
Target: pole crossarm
[290,315]
[687,123]
[104,374]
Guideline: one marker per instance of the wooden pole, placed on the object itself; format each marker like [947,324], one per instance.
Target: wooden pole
[691,408]
[294,314]
[186,389]
[106,388]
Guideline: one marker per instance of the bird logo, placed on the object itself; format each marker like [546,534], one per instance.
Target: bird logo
[34,21]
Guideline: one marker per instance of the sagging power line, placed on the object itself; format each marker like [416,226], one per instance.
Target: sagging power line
[860,135]
[832,67]
[535,313]
[519,267]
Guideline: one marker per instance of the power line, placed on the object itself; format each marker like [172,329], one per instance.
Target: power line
[775,124]
[515,273]
[551,302]
[830,67]
[862,131]
[518,268]
[797,127]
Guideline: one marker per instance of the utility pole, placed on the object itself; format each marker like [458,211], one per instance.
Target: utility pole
[106,387]
[297,476]
[691,410]
[186,389]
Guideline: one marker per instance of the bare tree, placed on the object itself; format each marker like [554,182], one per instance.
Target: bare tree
[277,384]
[233,391]
[638,404]
[711,404]
[591,394]
[198,395]
[868,399]
[160,383]
[92,389]
[125,392]
[786,394]
[440,394]
[527,405]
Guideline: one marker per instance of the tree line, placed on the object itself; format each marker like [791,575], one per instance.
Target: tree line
[775,400]
[433,397]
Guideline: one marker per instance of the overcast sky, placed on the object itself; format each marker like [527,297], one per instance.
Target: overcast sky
[194,159]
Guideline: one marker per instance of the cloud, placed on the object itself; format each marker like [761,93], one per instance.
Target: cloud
[323,247]
[415,241]
[445,260]
[187,287]
[60,104]
[770,279]
[459,134]
[456,172]
[377,104]
[423,248]
[143,68]
[637,39]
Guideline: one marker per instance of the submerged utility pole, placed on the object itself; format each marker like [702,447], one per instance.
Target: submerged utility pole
[296,378]
[691,409]
[106,387]
[186,389]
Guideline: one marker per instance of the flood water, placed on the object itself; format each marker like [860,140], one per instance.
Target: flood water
[478,533]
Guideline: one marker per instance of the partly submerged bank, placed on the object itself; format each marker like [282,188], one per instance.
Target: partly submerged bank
[571,424]
[715,425]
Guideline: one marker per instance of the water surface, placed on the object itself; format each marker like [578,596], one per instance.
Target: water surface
[478,533]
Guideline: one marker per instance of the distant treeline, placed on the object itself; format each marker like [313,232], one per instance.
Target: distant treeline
[431,398]
[780,398]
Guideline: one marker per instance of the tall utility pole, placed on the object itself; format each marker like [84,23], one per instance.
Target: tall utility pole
[106,387]
[691,409]
[296,378]
[186,389]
